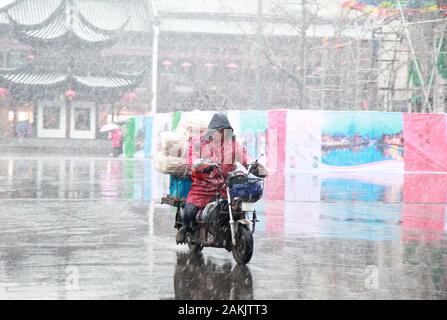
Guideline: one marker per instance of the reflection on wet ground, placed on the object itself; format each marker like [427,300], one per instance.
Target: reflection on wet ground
[223,282]
[93,228]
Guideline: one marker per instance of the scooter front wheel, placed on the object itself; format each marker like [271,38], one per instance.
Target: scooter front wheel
[243,250]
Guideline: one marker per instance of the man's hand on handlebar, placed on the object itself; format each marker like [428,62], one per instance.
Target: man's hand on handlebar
[204,166]
[258,170]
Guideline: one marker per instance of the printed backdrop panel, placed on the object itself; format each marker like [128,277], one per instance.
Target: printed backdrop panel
[327,141]
[276,151]
[148,138]
[140,137]
[276,139]
[253,126]
[303,140]
[362,141]
[425,142]
[161,122]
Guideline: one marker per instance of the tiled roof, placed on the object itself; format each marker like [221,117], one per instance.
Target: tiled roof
[208,26]
[227,7]
[28,77]
[6,4]
[46,79]
[104,82]
[104,15]
[35,11]
[100,16]
[4,18]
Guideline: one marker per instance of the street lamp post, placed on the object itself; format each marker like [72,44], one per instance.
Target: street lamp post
[258,99]
[156,34]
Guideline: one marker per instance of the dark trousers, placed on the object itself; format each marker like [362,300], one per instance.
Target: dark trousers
[189,216]
[116,151]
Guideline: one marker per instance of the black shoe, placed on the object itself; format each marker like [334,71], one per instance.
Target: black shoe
[180,236]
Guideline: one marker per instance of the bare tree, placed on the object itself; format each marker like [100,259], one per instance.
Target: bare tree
[326,70]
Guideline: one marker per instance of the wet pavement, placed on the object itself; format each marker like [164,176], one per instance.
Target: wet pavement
[92,228]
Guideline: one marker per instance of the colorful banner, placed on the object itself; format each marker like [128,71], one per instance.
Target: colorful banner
[253,128]
[425,138]
[129,138]
[140,137]
[303,140]
[275,182]
[362,141]
[148,139]
[147,194]
[276,150]
[161,122]
[392,7]
[314,141]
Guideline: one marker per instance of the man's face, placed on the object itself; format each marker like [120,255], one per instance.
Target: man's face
[220,134]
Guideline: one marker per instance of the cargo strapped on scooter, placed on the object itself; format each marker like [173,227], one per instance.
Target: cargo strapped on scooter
[172,201]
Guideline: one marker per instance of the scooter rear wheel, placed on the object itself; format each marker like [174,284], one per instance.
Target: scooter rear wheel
[243,250]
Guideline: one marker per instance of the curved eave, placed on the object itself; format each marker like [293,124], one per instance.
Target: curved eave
[11,4]
[104,16]
[85,33]
[58,32]
[52,31]
[103,82]
[43,12]
[22,79]
[33,79]
[87,24]
[108,84]
[99,16]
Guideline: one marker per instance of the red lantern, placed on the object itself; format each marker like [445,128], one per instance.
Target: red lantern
[3,92]
[347,4]
[186,65]
[166,63]
[365,105]
[232,66]
[70,94]
[130,96]
[359,6]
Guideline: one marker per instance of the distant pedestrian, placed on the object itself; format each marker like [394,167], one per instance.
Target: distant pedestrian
[117,142]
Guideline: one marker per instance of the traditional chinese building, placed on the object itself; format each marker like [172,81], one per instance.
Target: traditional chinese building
[70,66]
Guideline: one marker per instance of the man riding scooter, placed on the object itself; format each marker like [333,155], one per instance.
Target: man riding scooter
[217,146]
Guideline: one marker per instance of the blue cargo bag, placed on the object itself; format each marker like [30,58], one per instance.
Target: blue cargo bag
[249,191]
[179,187]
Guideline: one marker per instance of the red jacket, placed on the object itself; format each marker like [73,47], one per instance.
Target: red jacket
[116,138]
[206,185]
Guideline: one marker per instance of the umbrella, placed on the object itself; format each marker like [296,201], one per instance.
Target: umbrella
[109,127]
[121,122]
